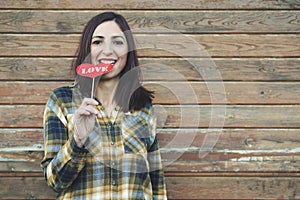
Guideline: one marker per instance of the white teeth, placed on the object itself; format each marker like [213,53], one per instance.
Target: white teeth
[108,61]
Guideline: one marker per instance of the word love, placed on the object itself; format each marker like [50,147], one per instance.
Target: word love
[93,71]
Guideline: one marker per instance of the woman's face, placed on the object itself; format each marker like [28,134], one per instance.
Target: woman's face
[109,46]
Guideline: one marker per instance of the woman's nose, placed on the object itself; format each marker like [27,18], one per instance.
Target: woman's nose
[107,49]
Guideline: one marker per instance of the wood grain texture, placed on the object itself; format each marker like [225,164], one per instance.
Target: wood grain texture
[184,116]
[183,150]
[150,4]
[227,188]
[232,188]
[156,69]
[28,21]
[20,137]
[235,139]
[162,45]
[172,92]
[219,45]
[226,75]
[187,162]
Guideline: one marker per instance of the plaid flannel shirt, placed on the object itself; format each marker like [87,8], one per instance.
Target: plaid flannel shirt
[120,159]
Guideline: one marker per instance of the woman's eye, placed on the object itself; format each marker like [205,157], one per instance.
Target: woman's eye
[118,42]
[97,42]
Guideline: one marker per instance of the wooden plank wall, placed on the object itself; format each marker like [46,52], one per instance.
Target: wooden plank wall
[253,48]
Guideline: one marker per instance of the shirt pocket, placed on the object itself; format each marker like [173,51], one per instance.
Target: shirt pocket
[135,135]
[135,139]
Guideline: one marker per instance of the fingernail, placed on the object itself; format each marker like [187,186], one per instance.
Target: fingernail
[96,102]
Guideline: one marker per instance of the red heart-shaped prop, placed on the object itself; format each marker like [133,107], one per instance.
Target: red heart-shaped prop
[93,71]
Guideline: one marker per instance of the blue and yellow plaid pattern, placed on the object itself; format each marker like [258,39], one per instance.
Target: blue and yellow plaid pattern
[120,160]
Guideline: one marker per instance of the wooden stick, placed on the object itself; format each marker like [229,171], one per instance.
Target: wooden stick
[92,92]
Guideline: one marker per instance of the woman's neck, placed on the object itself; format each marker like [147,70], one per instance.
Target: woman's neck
[105,93]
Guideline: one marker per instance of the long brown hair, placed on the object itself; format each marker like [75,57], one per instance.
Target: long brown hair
[130,94]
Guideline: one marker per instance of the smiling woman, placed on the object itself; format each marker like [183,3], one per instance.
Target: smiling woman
[103,147]
[109,46]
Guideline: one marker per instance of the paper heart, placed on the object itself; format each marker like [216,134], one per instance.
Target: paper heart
[93,71]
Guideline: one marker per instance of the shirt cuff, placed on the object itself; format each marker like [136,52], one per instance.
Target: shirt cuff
[76,148]
[76,153]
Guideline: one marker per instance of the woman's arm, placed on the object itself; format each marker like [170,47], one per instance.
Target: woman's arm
[154,158]
[156,172]
[63,159]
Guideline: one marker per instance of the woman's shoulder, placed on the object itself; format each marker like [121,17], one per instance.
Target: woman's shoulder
[146,113]
[64,93]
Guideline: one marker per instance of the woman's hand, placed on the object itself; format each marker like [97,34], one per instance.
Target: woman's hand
[84,120]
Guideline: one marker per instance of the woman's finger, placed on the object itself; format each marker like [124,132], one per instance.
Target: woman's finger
[89,101]
[88,110]
[91,110]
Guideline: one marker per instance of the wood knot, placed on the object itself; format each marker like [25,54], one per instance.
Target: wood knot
[250,142]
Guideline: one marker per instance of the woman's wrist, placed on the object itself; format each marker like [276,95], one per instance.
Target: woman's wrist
[78,141]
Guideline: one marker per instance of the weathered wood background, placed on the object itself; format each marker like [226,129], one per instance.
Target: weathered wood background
[251,80]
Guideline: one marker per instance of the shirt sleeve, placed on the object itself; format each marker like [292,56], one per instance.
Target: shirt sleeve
[156,173]
[63,159]
[154,158]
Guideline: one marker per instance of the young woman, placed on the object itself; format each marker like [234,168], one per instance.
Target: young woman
[103,147]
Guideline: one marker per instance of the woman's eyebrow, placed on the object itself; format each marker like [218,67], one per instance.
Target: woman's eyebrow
[113,37]
[118,36]
[97,37]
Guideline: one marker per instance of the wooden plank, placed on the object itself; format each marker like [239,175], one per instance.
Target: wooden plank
[228,188]
[232,188]
[183,150]
[234,92]
[27,188]
[182,174]
[150,4]
[233,139]
[178,162]
[24,116]
[232,69]
[171,92]
[231,157]
[161,45]
[181,116]
[36,69]
[194,159]
[213,166]
[28,21]
[21,137]
[156,69]
[27,92]
[252,163]
[38,45]
[214,45]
